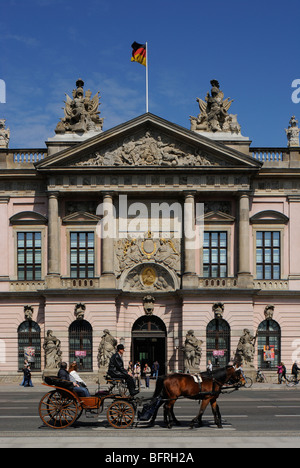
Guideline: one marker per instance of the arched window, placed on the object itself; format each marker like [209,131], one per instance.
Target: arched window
[269,344]
[218,342]
[29,345]
[81,345]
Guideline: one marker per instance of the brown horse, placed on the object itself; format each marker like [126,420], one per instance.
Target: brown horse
[173,386]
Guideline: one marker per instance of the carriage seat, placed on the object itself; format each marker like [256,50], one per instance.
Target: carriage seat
[108,378]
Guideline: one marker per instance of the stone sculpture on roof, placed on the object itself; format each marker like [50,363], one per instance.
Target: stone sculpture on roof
[292,133]
[214,116]
[4,134]
[81,112]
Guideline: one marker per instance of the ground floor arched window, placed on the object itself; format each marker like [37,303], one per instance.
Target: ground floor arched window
[81,345]
[269,344]
[29,345]
[218,342]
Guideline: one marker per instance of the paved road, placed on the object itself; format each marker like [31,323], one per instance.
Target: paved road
[265,418]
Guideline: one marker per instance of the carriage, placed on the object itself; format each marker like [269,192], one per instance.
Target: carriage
[62,407]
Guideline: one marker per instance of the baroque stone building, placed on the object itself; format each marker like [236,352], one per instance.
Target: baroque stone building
[97,243]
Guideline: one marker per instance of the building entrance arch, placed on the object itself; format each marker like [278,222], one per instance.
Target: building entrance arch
[149,342]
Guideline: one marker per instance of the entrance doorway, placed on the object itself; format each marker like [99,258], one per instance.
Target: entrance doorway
[149,342]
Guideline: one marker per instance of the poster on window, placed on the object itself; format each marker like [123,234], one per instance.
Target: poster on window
[29,354]
[269,353]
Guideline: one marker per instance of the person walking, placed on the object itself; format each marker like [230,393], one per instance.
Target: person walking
[137,375]
[27,382]
[130,368]
[155,369]
[279,372]
[147,374]
[209,367]
[295,370]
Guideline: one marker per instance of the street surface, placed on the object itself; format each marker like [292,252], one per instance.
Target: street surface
[263,416]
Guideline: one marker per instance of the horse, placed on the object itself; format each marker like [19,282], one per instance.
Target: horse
[173,386]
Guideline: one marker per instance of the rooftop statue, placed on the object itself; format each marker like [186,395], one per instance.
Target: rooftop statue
[4,134]
[81,112]
[292,133]
[214,115]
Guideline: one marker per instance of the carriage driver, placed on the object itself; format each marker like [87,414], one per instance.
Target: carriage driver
[116,370]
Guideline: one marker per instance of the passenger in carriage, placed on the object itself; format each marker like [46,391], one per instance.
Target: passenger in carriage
[116,370]
[64,375]
[75,377]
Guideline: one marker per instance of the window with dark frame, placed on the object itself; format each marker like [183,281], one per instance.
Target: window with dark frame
[29,256]
[215,255]
[268,255]
[82,254]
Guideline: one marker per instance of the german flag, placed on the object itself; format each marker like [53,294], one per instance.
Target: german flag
[139,53]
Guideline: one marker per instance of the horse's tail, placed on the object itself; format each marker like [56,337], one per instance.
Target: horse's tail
[159,386]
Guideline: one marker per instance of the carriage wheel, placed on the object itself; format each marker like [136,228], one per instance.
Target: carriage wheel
[120,414]
[58,410]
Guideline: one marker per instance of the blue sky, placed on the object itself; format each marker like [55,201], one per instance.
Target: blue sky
[250,47]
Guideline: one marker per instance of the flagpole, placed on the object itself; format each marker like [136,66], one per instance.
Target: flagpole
[147,80]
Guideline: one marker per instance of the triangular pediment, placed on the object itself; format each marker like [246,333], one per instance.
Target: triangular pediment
[218,217]
[148,141]
[81,217]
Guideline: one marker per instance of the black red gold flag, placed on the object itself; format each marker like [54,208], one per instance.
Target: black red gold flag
[139,53]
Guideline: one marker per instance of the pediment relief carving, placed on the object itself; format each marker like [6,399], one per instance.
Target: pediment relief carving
[150,148]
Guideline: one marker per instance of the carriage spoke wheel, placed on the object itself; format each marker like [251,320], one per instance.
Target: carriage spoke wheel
[58,410]
[120,414]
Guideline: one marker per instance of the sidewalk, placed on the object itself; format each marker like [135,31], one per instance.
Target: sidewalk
[39,387]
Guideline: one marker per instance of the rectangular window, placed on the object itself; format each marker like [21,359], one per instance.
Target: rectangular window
[82,255]
[215,255]
[268,255]
[29,256]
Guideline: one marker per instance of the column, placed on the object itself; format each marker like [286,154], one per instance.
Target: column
[53,239]
[108,279]
[244,275]
[4,239]
[294,250]
[190,278]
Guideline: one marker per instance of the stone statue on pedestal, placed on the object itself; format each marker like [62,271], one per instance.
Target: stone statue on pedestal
[4,134]
[245,350]
[192,350]
[52,353]
[292,133]
[214,116]
[81,112]
[106,349]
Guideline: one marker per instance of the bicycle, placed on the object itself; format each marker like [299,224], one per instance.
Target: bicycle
[292,381]
[260,377]
[248,382]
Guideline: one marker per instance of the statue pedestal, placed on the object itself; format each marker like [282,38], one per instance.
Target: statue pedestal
[250,372]
[194,370]
[50,373]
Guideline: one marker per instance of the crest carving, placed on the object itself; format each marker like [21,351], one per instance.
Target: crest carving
[132,252]
[150,148]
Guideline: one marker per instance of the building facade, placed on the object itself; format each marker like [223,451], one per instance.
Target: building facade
[97,235]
